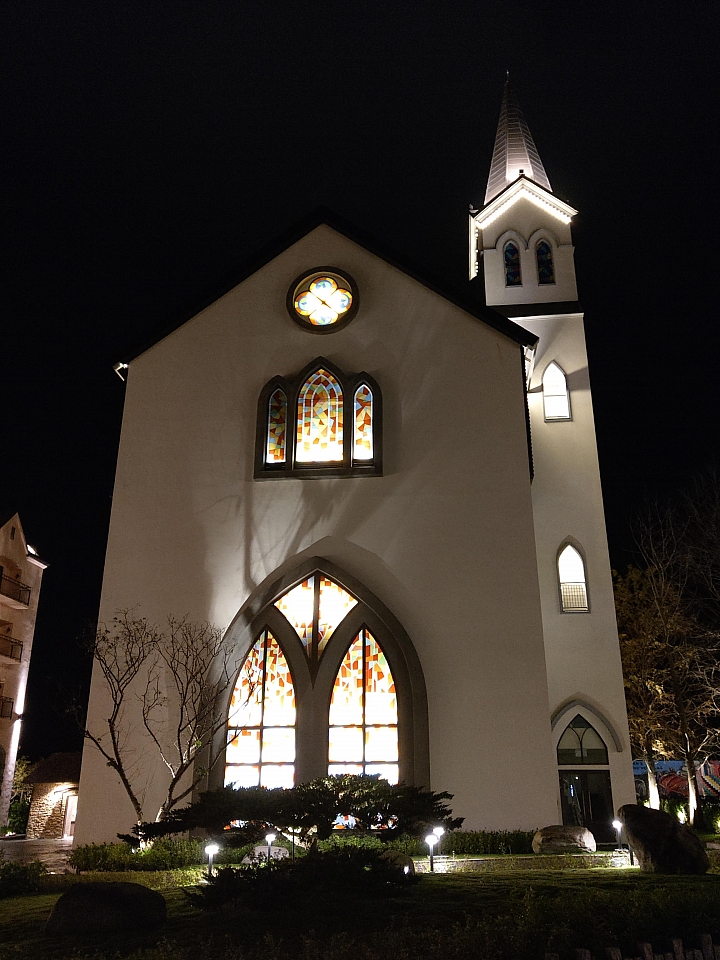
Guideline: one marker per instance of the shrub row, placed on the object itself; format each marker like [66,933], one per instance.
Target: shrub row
[17,879]
[478,842]
[165,854]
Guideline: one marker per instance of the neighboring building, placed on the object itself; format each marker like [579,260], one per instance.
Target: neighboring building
[335,457]
[20,575]
[53,805]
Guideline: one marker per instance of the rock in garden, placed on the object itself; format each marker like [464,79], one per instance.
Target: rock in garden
[399,860]
[661,843]
[564,840]
[99,907]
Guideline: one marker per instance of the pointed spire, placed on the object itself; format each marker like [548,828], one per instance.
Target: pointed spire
[515,149]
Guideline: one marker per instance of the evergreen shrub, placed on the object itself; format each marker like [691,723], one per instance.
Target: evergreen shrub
[17,879]
[18,816]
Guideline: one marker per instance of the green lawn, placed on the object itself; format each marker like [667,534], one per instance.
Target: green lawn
[511,915]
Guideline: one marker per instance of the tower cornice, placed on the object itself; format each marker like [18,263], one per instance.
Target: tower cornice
[524,187]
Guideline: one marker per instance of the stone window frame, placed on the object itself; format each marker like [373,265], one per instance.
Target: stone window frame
[313,695]
[348,467]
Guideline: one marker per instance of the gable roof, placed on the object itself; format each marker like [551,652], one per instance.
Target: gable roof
[58,768]
[318,217]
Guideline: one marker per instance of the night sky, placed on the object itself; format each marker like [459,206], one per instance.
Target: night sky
[151,148]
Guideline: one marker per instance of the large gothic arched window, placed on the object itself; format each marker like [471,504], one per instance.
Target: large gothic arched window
[320,423]
[326,687]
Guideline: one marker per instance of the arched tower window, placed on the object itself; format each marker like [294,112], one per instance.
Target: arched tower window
[573,585]
[511,259]
[556,397]
[336,429]
[320,419]
[261,721]
[545,266]
[363,713]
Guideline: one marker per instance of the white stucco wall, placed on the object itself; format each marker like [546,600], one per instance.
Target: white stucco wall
[445,538]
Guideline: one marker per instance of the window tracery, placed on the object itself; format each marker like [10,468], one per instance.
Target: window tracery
[336,429]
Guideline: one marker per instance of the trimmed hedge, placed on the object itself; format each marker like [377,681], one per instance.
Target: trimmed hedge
[165,854]
[17,879]
[478,842]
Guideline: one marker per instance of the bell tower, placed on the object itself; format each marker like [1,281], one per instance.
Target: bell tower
[521,242]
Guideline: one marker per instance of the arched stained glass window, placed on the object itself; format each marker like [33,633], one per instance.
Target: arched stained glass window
[363,713]
[511,257]
[261,722]
[320,419]
[545,267]
[363,438]
[581,743]
[277,427]
[315,608]
[573,586]
[556,397]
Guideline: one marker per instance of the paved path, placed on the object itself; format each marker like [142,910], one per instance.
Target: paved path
[53,853]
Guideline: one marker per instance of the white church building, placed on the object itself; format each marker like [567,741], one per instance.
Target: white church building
[390,500]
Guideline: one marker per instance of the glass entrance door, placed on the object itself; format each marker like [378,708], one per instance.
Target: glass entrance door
[586,799]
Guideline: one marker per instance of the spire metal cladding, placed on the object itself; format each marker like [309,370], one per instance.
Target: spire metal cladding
[514,151]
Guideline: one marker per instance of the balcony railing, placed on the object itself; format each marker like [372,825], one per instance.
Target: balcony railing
[574,597]
[6,708]
[11,648]
[15,590]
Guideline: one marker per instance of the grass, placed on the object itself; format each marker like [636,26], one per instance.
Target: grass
[506,916]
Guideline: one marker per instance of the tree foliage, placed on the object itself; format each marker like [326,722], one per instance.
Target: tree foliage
[309,811]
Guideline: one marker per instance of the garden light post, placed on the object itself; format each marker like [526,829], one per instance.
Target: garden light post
[211,849]
[269,837]
[439,831]
[431,839]
[618,831]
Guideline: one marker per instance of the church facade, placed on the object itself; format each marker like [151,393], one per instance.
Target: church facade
[391,501]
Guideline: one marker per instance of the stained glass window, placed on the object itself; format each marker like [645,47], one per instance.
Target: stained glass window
[322,300]
[363,713]
[545,268]
[320,419]
[277,427]
[581,743]
[261,721]
[556,398]
[571,573]
[363,440]
[315,608]
[511,254]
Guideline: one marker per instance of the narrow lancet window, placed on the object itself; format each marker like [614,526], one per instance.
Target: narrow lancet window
[276,427]
[556,397]
[363,713]
[320,420]
[573,585]
[545,267]
[261,722]
[363,439]
[511,256]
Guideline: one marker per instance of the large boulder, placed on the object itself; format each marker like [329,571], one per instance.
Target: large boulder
[558,839]
[401,860]
[661,843]
[100,907]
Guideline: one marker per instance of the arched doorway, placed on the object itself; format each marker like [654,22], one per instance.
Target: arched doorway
[585,789]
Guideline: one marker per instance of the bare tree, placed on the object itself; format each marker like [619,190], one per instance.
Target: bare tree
[178,676]
[183,704]
[121,651]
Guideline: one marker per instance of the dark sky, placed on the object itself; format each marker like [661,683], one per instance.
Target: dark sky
[151,148]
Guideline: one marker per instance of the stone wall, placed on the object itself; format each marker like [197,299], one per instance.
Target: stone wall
[47,812]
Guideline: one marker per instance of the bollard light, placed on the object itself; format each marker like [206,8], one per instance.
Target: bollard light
[269,838]
[439,831]
[618,831]
[211,849]
[431,839]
